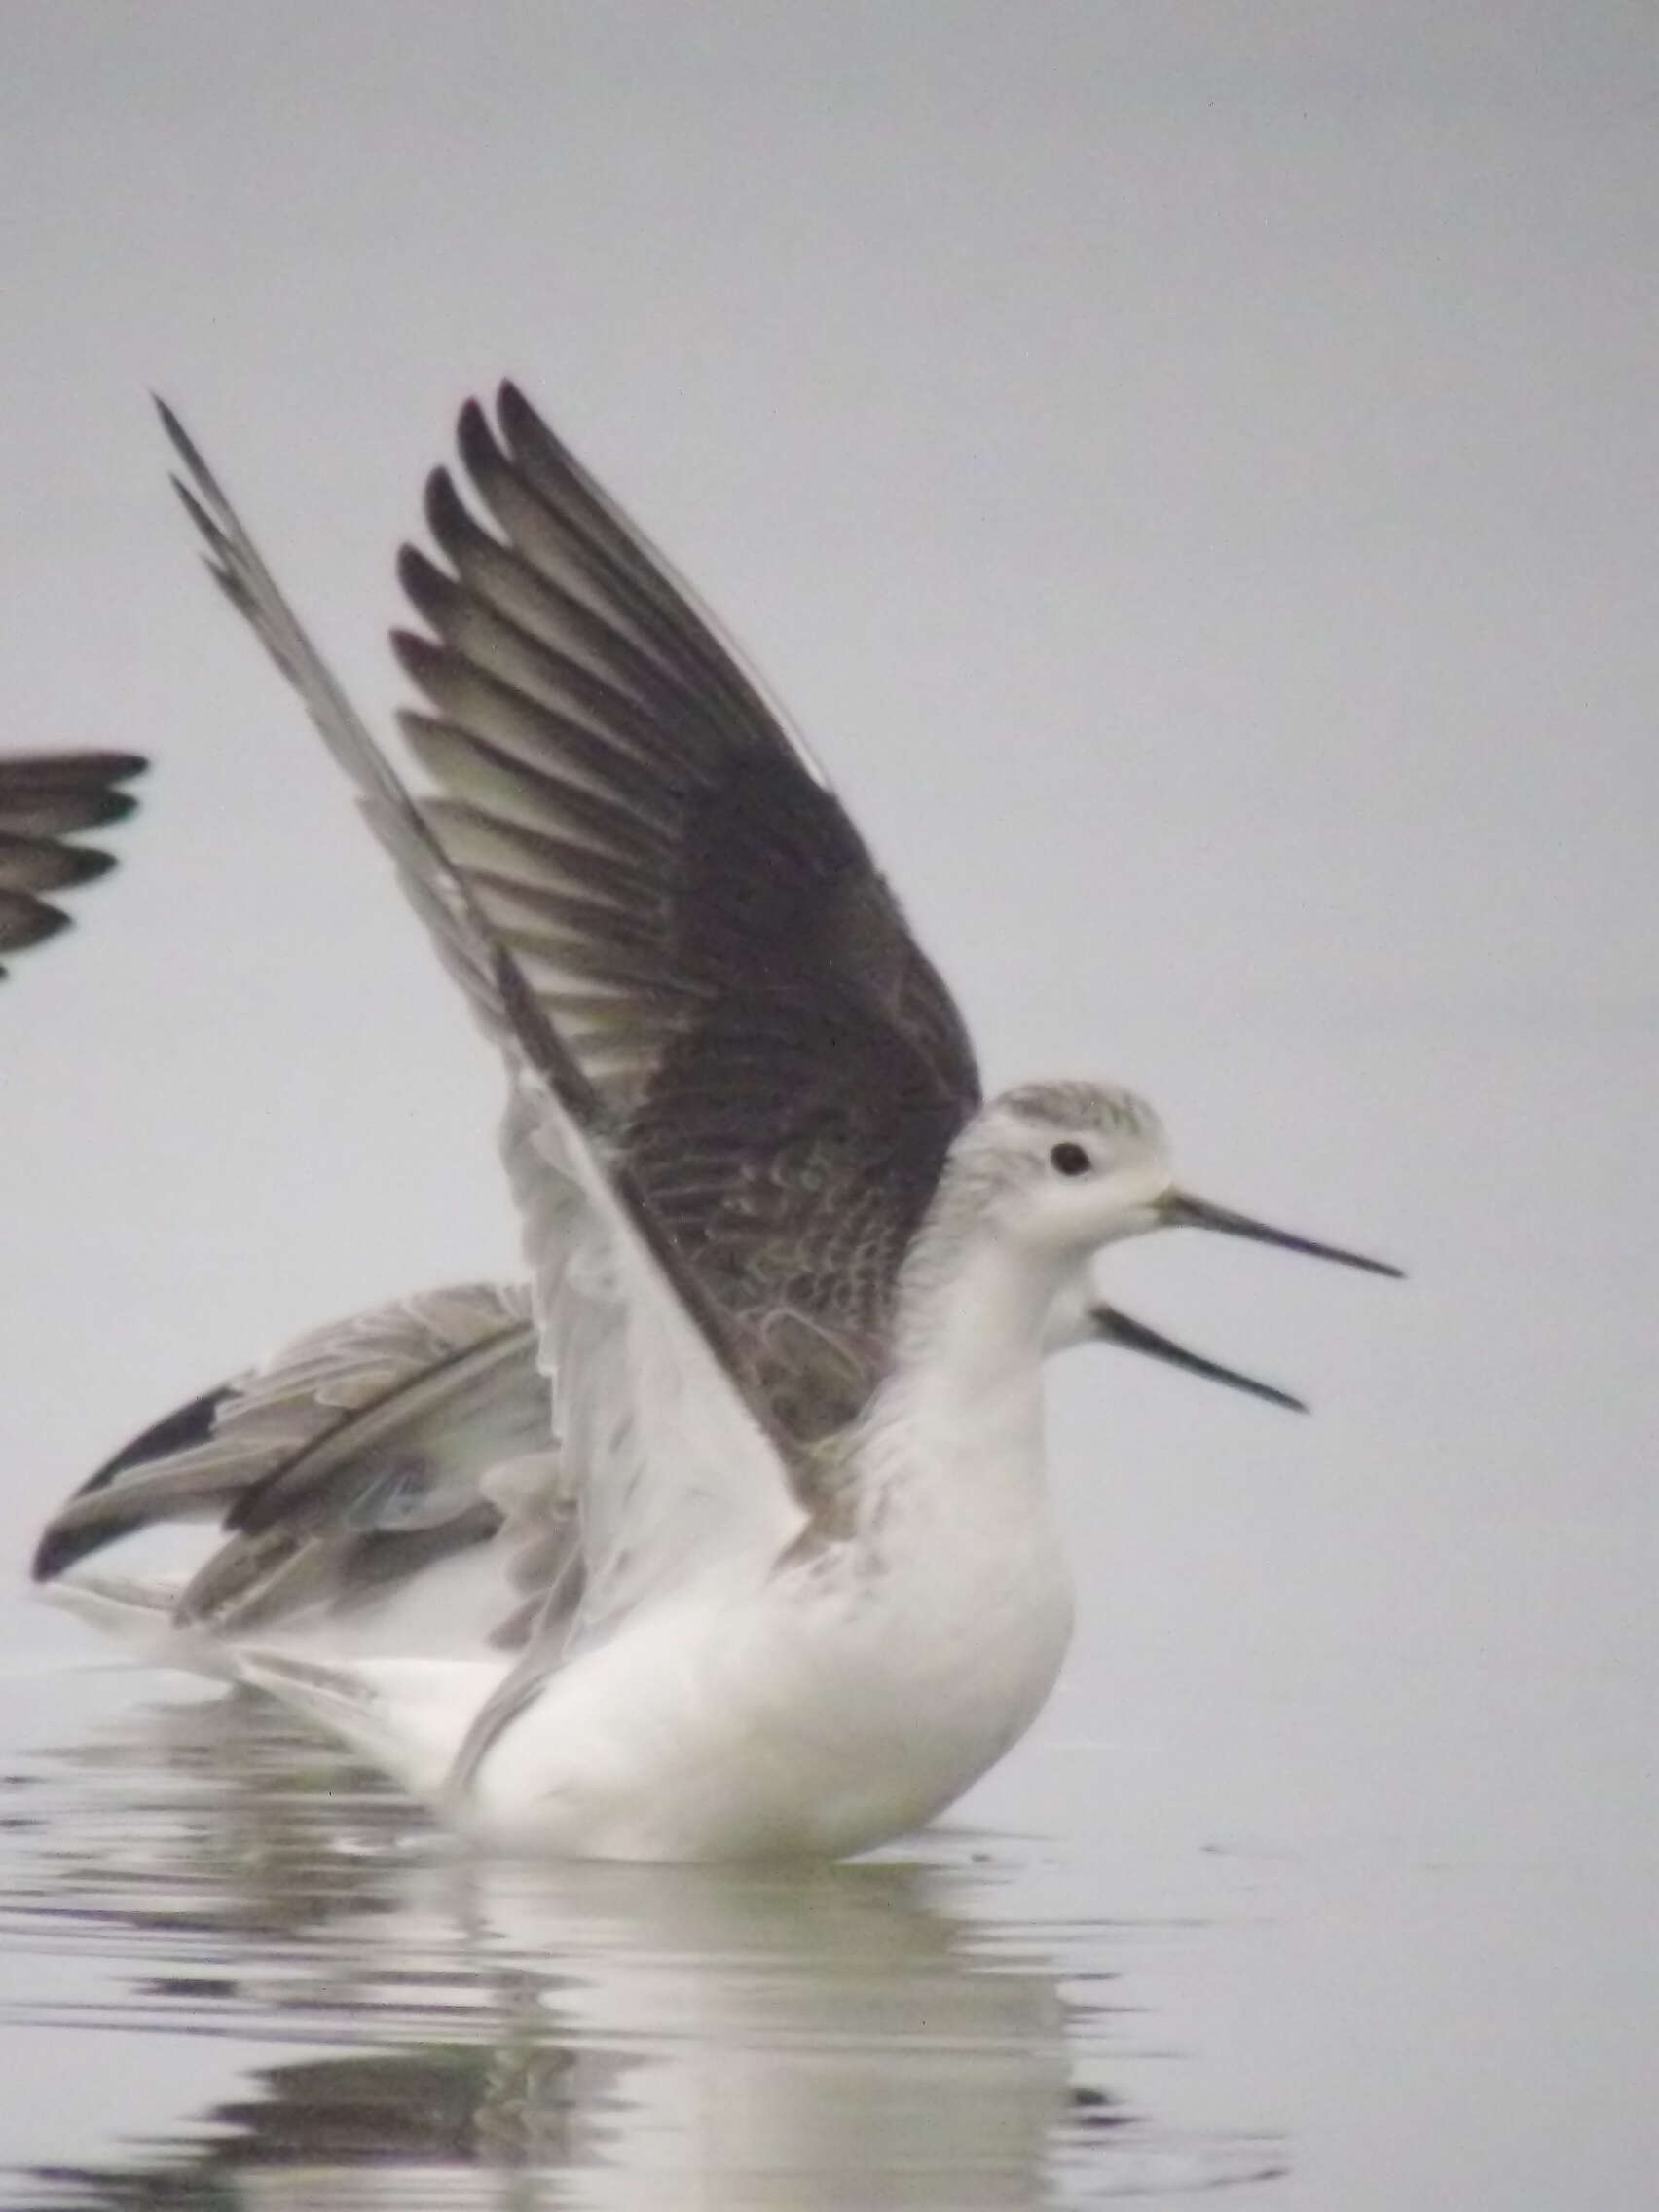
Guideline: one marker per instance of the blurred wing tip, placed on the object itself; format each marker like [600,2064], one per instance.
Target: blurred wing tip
[113,767]
[474,430]
[415,651]
[89,862]
[29,922]
[446,511]
[184,445]
[518,419]
[111,808]
[204,521]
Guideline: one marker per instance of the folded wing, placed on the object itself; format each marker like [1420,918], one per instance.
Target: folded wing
[354,1456]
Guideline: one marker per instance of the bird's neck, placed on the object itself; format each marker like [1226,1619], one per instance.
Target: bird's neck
[965,1384]
[974,1311]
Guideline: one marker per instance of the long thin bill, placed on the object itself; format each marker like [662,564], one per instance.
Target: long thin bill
[1115,1327]
[1181,1210]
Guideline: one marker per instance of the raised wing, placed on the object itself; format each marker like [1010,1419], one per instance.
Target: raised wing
[659,1491]
[691,909]
[46,798]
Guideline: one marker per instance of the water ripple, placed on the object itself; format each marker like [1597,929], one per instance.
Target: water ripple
[199,1876]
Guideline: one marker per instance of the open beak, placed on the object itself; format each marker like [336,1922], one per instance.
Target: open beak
[1110,1326]
[1179,1209]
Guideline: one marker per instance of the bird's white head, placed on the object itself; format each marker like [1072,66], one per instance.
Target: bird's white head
[1061,1169]
[1038,1181]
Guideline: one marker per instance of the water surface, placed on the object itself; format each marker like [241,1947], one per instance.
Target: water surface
[241,1971]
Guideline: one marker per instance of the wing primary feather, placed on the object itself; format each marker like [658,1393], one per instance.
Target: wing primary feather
[27,864]
[488,844]
[82,770]
[608,704]
[486,965]
[502,580]
[470,765]
[531,732]
[554,474]
[47,799]
[765,1008]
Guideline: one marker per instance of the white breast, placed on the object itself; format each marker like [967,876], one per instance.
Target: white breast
[823,1704]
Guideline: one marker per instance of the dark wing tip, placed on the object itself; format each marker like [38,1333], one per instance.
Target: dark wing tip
[417,655]
[62,773]
[445,509]
[26,921]
[64,1541]
[476,439]
[429,590]
[182,443]
[524,429]
[82,864]
[47,811]
[71,771]
[203,521]
[47,800]
[517,417]
[110,806]
[58,1549]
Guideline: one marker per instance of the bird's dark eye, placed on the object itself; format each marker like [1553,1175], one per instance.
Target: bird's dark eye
[1070,1159]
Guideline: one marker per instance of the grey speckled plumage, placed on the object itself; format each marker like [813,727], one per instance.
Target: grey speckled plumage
[45,800]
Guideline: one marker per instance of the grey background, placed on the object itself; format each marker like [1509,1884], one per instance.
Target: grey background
[1189,472]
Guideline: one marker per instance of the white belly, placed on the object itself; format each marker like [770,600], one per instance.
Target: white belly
[823,1709]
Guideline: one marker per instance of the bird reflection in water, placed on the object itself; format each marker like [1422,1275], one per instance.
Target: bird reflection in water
[520,2036]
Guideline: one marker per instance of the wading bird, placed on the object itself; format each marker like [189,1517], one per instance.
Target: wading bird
[733,1537]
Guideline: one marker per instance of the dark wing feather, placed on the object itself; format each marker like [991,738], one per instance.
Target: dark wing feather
[691,908]
[574,1132]
[45,800]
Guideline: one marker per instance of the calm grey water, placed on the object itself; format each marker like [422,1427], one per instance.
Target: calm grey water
[241,1971]
[237,1970]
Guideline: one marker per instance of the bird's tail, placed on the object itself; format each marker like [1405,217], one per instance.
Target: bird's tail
[407,1717]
